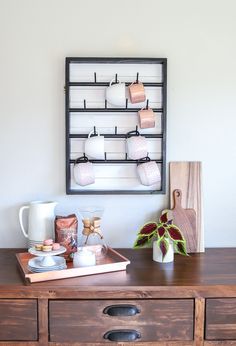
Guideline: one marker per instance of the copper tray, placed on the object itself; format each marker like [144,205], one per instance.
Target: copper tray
[113,261]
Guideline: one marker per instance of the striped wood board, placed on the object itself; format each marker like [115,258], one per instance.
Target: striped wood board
[186,176]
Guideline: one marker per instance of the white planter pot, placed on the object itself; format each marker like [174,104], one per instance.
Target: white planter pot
[157,254]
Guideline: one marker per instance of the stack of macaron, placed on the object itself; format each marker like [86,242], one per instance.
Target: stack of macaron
[48,245]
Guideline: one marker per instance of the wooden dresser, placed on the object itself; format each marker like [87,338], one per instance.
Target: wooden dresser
[189,302]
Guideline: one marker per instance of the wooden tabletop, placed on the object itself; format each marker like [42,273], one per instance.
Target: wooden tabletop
[214,267]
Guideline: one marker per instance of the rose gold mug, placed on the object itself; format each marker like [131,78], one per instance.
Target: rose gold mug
[146,118]
[137,93]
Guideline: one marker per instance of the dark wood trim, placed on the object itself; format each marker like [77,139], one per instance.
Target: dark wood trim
[199,321]
[169,343]
[43,321]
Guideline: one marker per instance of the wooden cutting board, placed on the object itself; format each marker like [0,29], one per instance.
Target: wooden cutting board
[186,176]
[185,219]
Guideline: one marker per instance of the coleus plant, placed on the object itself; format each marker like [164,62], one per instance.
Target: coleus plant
[161,232]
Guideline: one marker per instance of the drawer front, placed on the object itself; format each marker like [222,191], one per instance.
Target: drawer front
[220,319]
[18,320]
[146,320]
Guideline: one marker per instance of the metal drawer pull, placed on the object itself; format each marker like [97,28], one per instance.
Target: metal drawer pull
[122,335]
[121,310]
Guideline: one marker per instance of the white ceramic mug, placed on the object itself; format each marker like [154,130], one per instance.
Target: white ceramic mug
[149,173]
[115,94]
[94,146]
[84,172]
[136,146]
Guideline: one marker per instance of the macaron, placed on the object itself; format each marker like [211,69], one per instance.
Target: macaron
[47,247]
[56,246]
[48,242]
[38,247]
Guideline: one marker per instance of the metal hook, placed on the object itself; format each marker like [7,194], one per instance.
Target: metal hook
[143,160]
[105,155]
[147,103]
[95,77]
[94,130]
[81,159]
[126,103]
[134,133]
[137,78]
[84,104]
[105,104]
[115,130]
[116,78]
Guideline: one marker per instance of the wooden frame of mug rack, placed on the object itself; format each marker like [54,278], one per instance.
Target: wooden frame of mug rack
[87,110]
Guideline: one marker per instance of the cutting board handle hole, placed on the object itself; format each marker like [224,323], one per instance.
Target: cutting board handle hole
[178,193]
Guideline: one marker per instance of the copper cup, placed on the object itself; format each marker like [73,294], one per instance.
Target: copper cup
[137,93]
[146,118]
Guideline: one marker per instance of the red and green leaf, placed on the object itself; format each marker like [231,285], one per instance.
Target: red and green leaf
[148,228]
[141,241]
[175,233]
[164,217]
[164,246]
[180,248]
[161,231]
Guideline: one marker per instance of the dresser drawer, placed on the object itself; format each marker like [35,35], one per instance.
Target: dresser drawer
[18,320]
[91,320]
[220,319]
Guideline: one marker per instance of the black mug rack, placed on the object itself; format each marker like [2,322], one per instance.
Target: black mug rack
[96,79]
[125,160]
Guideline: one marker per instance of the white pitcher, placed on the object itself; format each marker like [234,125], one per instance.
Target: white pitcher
[40,221]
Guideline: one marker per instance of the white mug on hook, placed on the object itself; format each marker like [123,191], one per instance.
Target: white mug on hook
[115,93]
[94,146]
[83,172]
[148,173]
[136,145]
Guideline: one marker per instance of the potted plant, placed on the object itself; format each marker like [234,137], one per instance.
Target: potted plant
[164,236]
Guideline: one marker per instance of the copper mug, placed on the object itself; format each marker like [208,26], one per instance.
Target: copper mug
[146,118]
[137,93]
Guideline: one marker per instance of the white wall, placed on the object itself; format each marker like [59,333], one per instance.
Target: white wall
[197,37]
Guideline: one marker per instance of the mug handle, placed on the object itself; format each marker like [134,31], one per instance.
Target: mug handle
[132,133]
[21,220]
[92,132]
[143,160]
[114,80]
[135,83]
[82,159]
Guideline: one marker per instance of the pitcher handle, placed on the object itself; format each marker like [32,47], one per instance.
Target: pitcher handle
[21,220]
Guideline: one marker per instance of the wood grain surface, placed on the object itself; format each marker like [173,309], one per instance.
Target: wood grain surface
[187,176]
[210,273]
[147,343]
[18,319]
[199,324]
[185,219]
[195,279]
[167,319]
[221,319]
